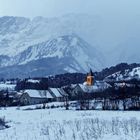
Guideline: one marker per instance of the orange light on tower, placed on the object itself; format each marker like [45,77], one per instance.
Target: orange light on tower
[90,78]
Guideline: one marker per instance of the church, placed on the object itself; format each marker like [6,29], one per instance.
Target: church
[90,85]
[90,78]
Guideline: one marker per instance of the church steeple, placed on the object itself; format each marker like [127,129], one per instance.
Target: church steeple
[90,78]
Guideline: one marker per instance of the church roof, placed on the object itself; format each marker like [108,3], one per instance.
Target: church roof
[88,89]
[90,73]
[98,86]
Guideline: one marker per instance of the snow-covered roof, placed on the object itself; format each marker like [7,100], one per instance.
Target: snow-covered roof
[56,92]
[39,93]
[49,95]
[14,94]
[7,86]
[62,92]
[88,89]
[99,85]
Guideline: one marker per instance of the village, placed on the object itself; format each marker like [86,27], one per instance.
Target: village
[92,94]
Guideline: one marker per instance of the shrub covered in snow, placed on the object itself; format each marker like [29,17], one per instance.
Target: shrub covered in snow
[3,123]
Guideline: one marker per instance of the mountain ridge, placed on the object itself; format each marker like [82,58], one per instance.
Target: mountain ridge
[63,54]
[19,36]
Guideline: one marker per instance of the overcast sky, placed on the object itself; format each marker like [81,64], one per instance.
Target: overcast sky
[51,8]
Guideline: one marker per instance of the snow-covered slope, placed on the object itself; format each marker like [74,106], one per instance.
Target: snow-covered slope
[68,53]
[55,41]
[125,75]
[69,46]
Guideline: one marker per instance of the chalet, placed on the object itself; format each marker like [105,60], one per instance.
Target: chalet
[30,97]
[39,96]
[22,99]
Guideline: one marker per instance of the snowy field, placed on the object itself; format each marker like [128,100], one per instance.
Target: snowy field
[60,124]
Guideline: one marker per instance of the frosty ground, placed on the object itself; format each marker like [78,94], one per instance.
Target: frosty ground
[61,124]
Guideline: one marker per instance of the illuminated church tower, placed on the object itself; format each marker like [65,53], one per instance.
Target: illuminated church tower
[90,78]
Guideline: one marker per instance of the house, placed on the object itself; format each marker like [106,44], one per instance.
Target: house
[30,97]
[58,93]
[38,96]
[81,88]
[22,99]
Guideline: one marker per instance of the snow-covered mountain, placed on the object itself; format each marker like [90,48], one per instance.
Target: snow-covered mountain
[32,43]
[67,53]
[127,74]
[17,33]
[68,46]
[47,46]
